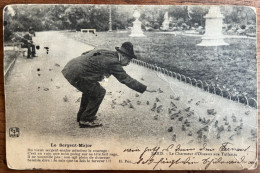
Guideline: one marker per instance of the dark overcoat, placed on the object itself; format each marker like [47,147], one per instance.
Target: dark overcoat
[96,64]
[27,38]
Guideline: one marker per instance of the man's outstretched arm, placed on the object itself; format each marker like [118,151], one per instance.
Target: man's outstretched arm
[124,78]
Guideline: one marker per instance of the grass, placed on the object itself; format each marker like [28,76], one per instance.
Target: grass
[9,56]
[230,67]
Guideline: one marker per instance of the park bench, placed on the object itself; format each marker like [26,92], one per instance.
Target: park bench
[88,30]
[16,46]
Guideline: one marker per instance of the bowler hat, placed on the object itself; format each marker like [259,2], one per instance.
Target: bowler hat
[126,49]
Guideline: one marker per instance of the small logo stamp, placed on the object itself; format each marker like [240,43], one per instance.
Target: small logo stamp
[14,132]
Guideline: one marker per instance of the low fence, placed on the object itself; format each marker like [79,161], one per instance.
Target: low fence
[200,84]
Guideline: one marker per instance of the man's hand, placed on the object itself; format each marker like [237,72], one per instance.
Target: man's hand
[150,90]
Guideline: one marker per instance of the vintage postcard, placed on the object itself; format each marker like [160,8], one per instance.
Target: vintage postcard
[130,87]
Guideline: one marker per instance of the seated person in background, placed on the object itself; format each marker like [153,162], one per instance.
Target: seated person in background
[28,43]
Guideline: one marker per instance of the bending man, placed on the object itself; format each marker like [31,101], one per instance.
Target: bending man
[85,72]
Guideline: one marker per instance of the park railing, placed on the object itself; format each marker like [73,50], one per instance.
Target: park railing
[210,88]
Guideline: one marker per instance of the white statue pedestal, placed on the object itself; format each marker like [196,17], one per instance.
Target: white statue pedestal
[137,29]
[213,28]
[166,22]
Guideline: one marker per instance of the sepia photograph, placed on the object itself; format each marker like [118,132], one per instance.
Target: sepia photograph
[130,87]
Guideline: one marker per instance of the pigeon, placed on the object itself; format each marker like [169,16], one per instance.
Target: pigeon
[147,103]
[180,119]
[199,131]
[159,109]
[218,135]
[229,128]
[190,113]
[226,123]
[225,118]
[231,137]
[57,65]
[238,129]
[177,98]
[247,112]
[173,105]
[220,129]
[65,99]
[124,103]
[154,107]
[170,129]
[138,102]
[157,99]
[169,111]
[254,133]
[216,123]
[136,95]
[211,112]
[198,103]
[156,117]
[205,139]
[174,137]
[199,136]
[78,100]
[113,101]
[160,91]
[109,93]
[190,101]
[173,109]
[183,128]
[204,121]
[128,101]
[176,114]
[190,133]
[130,105]
[206,128]
[187,109]
[234,118]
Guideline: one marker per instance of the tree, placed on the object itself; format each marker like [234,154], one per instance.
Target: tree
[197,13]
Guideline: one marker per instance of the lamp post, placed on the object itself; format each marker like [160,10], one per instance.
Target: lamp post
[110,19]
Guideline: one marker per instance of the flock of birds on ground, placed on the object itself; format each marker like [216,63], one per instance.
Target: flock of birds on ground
[183,116]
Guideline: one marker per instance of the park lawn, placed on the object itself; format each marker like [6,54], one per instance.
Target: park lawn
[232,68]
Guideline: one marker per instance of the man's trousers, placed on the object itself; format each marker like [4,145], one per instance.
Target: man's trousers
[92,96]
[30,50]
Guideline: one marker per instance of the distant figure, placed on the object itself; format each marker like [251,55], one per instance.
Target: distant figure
[85,72]
[28,43]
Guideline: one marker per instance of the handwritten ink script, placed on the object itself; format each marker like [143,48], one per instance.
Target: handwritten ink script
[176,154]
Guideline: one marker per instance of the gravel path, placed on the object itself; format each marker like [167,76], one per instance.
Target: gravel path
[42,103]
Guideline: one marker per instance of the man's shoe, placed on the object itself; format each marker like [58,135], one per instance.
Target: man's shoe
[34,56]
[79,115]
[88,124]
